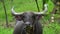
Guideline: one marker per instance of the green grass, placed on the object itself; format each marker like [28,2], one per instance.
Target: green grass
[52,29]
[6,30]
[47,29]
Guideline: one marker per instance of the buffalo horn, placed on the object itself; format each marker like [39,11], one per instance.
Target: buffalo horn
[14,13]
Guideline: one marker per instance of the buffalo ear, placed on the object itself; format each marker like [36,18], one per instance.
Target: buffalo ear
[38,16]
[18,17]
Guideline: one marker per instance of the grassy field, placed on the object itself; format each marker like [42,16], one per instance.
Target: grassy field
[6,30]
[47,29]
[22,6]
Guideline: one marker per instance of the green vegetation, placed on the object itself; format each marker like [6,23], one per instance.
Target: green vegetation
[52,29]
[47,29]
[5,30]
[27,5]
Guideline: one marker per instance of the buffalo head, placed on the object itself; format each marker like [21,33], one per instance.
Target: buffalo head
[28,17]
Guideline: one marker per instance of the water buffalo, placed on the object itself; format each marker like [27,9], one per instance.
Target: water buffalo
[28,18]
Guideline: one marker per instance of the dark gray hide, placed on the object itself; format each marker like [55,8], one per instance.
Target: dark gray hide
[19,28]
[28,18]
